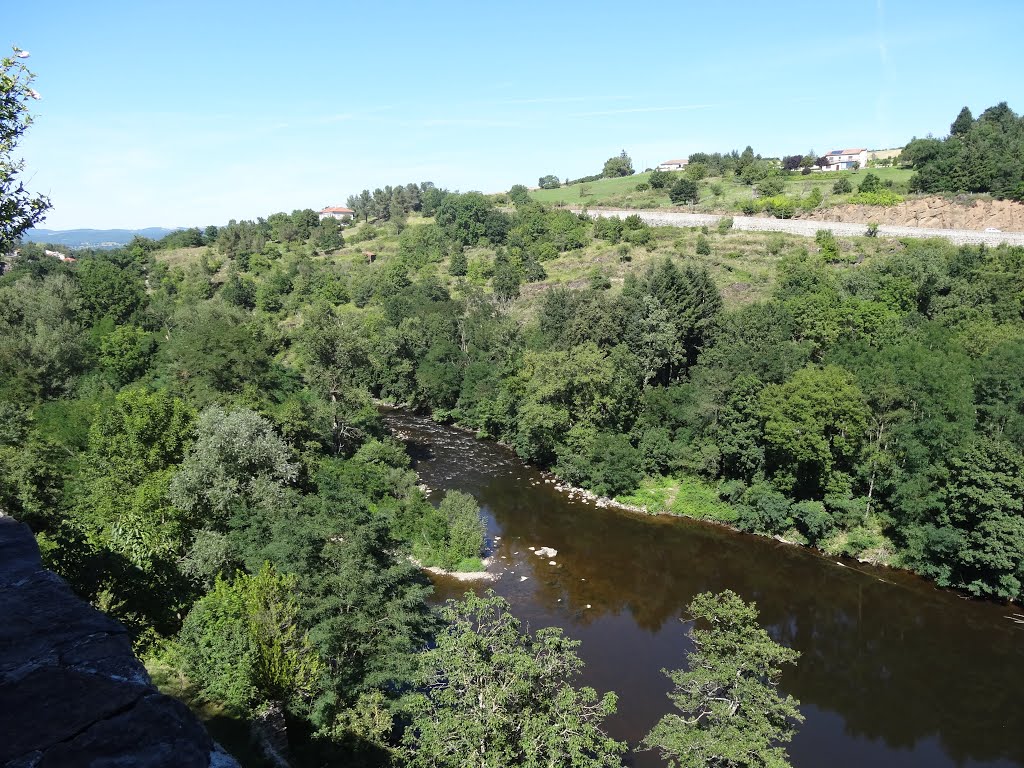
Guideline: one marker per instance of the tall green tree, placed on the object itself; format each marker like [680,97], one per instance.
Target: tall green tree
[494,697]
[730,712]
[19,209]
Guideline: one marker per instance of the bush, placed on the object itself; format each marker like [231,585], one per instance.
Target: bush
[703,246]
[781,207]
[624,254]
[599,281]
[871,183]
[812,201]
[842,187]
[659,179]
[872,229]
[828,244]
[883,197]
[724,225]
[458,265]
[771,186]
[643,186]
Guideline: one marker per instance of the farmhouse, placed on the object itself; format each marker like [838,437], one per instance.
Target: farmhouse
[843,159]
[337,212]
[673,165]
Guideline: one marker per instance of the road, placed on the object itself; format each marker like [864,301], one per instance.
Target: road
[807,228]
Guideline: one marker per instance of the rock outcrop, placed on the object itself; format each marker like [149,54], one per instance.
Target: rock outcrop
[72,692]
[933,212]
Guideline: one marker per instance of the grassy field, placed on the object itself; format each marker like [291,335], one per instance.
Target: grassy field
[622,191]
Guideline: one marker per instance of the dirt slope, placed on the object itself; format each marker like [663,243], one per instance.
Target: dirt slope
[937,212]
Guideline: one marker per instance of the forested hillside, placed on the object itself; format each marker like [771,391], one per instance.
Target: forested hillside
[188,425]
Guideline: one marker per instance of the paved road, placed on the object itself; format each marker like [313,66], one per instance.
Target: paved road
[808,228]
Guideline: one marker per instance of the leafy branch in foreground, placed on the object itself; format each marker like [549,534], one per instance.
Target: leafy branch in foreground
[494,697]
[19,210]
[730,711]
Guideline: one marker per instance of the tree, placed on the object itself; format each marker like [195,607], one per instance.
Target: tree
[518,194]
[549,182]
[506,280]
[870,183]
[684,191]
[237,456]
[494,697]
[659,179]
[465,528]
[243,644]
[458,265]
[730,712]
[813,427]
[621,165]
[19,209]
[963,123]
[792,162]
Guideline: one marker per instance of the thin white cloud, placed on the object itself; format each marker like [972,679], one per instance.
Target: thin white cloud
[631,110]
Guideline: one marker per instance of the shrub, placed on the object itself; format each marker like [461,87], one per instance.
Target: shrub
[458,265]
[771,186]
[643,186]
[724,225]
[703,246]
[781,207]
[659,179]
[599,281]
[872,229]
[883,197]
[812,201]
[828,244]
[871,183]
[624,252]
[842,187]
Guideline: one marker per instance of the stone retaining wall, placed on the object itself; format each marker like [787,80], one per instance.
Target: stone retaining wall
[807,228]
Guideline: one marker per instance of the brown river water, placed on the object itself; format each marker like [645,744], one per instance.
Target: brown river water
[893,671]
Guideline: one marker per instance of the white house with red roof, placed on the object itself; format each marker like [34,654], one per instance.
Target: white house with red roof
[337,212]
[673,165]
[844,159]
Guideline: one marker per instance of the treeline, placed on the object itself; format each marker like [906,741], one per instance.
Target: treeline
[396,202]
[872,410]
[979,155]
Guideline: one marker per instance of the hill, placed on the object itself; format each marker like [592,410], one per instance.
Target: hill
[717,194]
[93,238]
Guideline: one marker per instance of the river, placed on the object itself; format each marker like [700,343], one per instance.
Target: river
[893,671]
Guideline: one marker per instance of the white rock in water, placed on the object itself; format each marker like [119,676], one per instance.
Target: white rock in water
[547,552]
[523,578]
[529,547]
[552,562]
[588,605]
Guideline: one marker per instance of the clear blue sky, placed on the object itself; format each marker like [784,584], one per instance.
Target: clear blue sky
[192,113]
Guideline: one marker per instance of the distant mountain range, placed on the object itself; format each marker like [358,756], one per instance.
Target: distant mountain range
[92,238]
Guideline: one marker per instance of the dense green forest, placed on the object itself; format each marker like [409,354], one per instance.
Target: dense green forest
[189,427]
[191,431]
[979,155]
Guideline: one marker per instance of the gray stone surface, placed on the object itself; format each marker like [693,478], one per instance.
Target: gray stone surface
[72,692]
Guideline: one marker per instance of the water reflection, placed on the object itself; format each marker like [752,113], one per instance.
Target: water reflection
[893,671]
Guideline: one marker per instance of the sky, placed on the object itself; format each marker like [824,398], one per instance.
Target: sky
[194,113]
